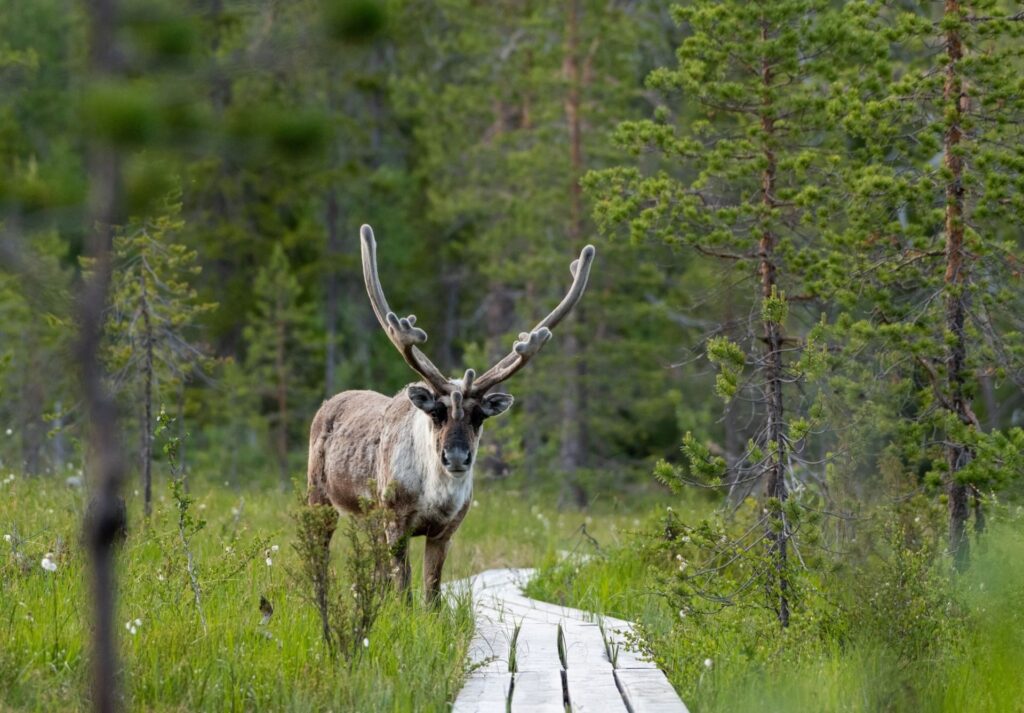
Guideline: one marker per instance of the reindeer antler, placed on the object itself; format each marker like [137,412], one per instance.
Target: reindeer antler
[529,343]
[402,331]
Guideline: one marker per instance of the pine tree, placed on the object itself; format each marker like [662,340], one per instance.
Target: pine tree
[154,309]
[938,189]
[275,337]
[747,182]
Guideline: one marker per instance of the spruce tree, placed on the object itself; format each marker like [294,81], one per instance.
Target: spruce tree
[747,182]
[275,337]
[939,190]
[154,310]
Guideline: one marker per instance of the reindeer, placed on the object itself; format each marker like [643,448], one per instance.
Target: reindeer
[413,454]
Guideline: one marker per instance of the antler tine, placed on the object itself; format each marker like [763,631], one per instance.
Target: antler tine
[402,331]
[529,343]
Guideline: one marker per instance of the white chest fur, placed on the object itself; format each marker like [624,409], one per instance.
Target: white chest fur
[418,471]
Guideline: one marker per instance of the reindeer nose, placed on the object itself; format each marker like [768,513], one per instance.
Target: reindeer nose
[456,458]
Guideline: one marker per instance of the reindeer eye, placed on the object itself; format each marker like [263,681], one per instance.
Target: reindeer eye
[439,413]
[476,417]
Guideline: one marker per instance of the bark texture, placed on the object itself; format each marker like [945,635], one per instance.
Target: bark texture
[958,455]
[775,439]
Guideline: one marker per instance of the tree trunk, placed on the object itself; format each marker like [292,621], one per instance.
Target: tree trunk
[775,440]
[573,442]
[182,440]
[106,518]
[957,455]
[147,399]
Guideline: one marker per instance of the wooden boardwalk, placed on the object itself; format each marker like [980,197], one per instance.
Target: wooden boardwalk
[531,656]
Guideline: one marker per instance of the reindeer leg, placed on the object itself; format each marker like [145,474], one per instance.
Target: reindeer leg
[434,554]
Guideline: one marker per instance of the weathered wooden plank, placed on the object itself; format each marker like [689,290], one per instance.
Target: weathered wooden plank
[584,648]
[538,692]
[594,691]
[514,611]
[489,648]
[484,692]
[500,606]
[516,597]
[537,648]
[648,691]
[508,615]
[553,610]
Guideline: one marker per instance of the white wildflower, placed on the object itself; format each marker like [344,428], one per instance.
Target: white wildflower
[159,578]
[274,548]
[682,614]
[10,431]
[227,548]
[7,538]
[138,622]
[270,562]
[366,643]
[476,503]
[48,564]
[707,663]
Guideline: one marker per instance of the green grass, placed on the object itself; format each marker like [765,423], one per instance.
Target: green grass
[415,655]
[945,644]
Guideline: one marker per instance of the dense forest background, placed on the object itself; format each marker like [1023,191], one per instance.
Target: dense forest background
[784,427]
[808,209]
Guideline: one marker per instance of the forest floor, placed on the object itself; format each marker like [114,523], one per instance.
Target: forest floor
[413,658]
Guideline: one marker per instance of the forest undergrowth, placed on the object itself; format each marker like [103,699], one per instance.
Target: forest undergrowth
[879,623]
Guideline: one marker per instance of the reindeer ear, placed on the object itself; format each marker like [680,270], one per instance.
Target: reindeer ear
[422,398]
[494,404]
